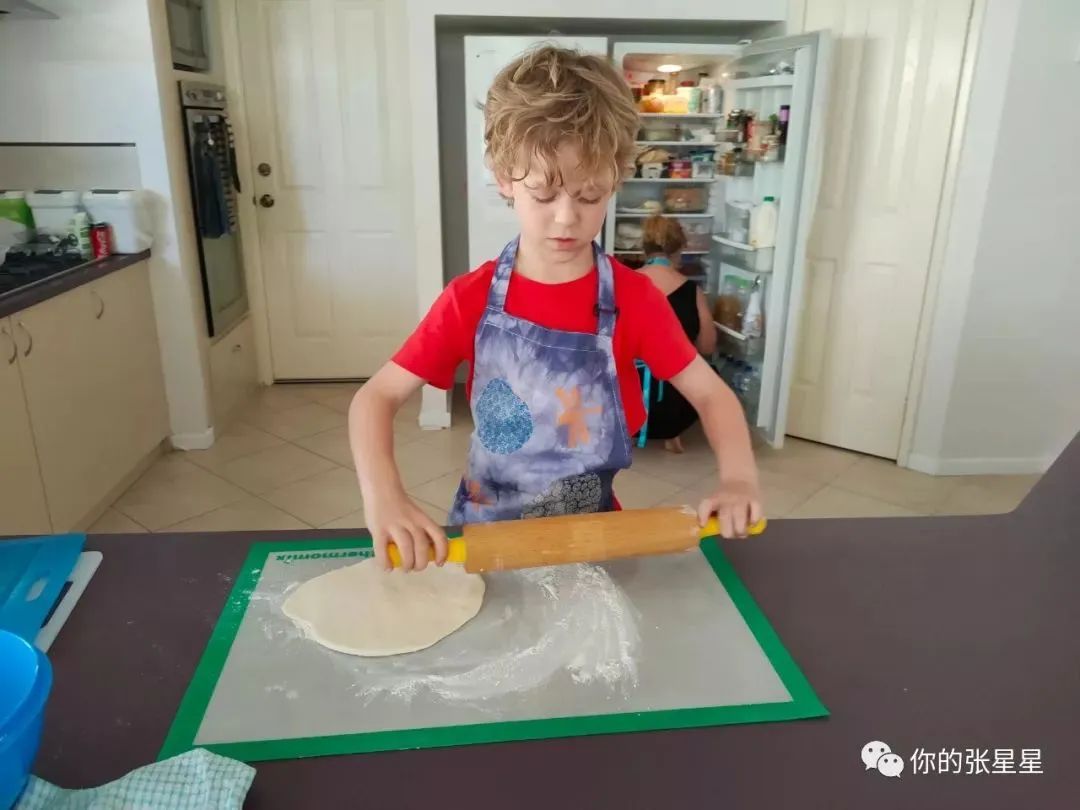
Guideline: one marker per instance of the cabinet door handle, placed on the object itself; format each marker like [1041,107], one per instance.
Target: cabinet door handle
[14,346]
[29,339]
[101,301]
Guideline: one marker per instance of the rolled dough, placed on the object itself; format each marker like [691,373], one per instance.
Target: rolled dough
[362,610]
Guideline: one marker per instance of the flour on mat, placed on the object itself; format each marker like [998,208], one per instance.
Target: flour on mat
[572,618]
[534,625]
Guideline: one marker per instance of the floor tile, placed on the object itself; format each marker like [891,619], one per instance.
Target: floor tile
[174,490]
[296,423]
[321,392]
[987,494]
[321,498]
[781,492]
[833,502]
[277,398]
[331,444]
[452,442]
[636,490]
[338,402]
[419,463]
[439,492]
[436,513]
[684,469]
[114,522]
[250,514]
[881,479]
[353,520]
[275,467]
[806,460]
[237,441]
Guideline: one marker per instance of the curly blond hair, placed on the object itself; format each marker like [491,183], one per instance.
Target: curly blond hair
[550,96]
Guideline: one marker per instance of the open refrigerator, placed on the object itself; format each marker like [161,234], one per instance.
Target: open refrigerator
[723,128]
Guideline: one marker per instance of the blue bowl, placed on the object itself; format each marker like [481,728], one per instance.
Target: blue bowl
[25,681]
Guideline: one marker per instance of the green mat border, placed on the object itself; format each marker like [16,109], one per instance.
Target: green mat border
[804,703]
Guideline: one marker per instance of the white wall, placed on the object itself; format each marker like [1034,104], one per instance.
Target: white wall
[420,44]
[1002,387]
[91,76]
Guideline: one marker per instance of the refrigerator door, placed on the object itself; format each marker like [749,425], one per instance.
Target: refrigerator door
[800,80]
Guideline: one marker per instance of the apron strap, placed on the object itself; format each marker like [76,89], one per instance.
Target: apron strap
[606,311]
[500,281]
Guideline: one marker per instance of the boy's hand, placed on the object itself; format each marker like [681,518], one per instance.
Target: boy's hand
[737,505]
[393,517]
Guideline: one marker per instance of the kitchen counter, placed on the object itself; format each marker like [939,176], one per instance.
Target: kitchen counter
[35,292]
[932,633]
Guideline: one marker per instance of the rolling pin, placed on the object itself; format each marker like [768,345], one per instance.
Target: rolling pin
[594,537]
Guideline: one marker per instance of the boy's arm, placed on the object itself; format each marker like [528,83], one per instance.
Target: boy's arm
[737,502]
[390,513]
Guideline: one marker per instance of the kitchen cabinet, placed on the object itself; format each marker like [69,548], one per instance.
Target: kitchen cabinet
[232,371]
[22,495]
[91,372]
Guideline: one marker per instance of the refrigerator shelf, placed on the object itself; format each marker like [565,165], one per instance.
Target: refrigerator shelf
[761,82]
[698,180]
[665,214]
[699,116]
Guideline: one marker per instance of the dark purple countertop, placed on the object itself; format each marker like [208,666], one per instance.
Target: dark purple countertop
[20,298]
[944,632]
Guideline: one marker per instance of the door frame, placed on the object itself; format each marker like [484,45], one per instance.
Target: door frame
[939,242]
[232,74]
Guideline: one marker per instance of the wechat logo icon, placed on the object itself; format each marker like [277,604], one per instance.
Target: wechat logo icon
[880,757]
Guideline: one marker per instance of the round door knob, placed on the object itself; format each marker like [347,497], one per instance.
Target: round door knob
[266,201]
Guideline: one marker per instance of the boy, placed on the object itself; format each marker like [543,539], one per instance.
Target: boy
[550,331]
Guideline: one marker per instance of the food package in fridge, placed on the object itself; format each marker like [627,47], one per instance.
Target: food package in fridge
[702,166]
[685,199]
[653,154]
[652,171]
[628,236]
[680,169]
[660,131]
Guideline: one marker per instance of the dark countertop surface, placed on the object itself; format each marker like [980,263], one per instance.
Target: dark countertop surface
[23,297]
[932,633]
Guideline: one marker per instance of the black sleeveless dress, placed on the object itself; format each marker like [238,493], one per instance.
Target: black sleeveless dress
[669,413]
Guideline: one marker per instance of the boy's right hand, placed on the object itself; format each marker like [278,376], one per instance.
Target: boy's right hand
[392,517]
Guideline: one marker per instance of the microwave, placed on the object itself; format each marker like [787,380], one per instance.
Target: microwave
[187,32]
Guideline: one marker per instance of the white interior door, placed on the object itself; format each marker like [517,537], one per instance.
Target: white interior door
[894,91]
[491,223]
[340,291]
[794,182]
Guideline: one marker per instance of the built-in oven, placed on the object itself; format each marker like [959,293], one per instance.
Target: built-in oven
[215,184]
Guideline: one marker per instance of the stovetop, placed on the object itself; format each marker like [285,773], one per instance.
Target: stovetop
[22,268]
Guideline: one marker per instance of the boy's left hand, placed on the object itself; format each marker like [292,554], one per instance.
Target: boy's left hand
[737,506]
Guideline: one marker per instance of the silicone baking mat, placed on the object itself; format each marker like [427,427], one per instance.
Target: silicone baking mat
[702,654]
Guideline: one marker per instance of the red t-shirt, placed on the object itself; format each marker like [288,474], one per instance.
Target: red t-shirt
[645,329]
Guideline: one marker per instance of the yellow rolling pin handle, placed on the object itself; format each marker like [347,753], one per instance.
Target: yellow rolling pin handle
[712,528]
[455,552]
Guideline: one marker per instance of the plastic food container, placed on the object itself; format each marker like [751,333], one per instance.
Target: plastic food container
[53,211]
[685,200]
[659,133]
[698,234]
[25,682]
[128,212]
[652,171]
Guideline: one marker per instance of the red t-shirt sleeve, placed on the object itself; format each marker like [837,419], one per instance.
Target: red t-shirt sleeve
[435,350]
[660,341]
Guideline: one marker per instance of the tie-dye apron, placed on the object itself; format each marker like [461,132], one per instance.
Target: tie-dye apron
[550,427]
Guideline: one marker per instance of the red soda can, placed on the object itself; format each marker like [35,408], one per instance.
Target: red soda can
[100,239]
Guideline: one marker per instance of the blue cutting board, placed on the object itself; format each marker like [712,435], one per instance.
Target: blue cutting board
[32,574]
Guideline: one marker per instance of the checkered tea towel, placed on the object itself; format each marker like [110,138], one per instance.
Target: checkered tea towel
[197,780]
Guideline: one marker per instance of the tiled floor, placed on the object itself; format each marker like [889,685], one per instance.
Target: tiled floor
[286,465]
